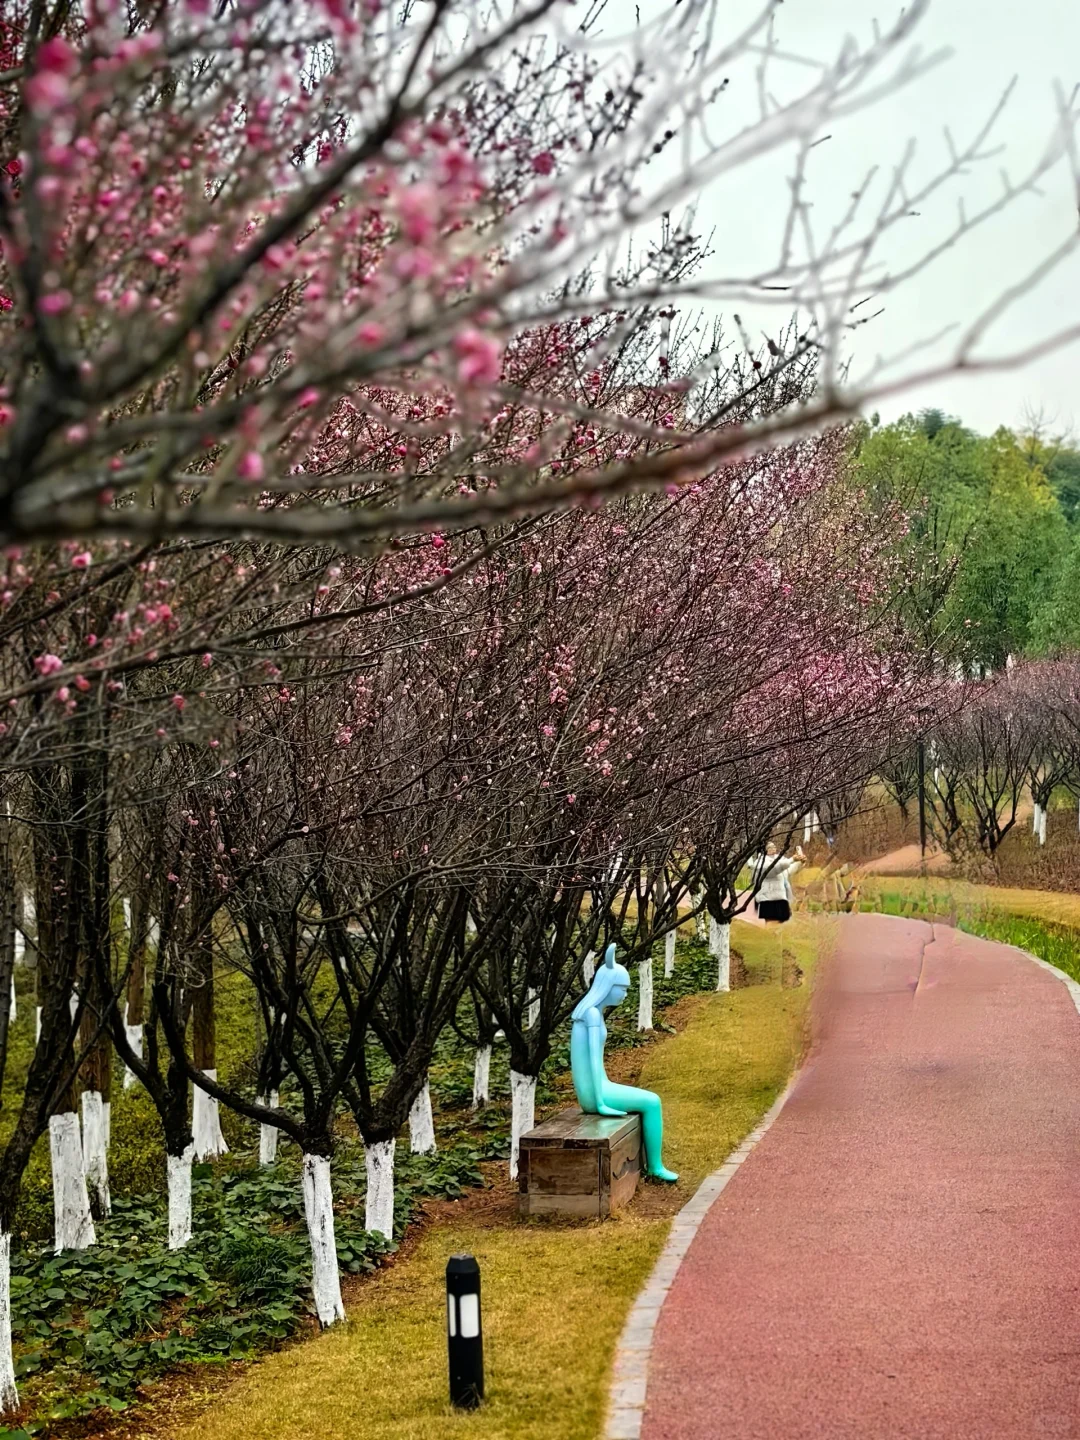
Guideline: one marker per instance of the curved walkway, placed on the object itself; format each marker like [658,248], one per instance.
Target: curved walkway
[900,1255]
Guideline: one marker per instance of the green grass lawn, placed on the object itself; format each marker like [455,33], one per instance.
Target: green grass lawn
[555,1296]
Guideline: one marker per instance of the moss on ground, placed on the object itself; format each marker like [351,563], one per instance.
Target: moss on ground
[555,1296]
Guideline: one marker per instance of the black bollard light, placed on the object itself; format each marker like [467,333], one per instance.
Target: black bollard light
[464,1337]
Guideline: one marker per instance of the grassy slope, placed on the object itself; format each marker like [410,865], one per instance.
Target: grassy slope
[554,1297]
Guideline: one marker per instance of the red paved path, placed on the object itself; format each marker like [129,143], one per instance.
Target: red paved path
[900,1256]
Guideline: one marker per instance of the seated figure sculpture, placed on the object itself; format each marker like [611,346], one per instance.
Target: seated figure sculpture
[596,1094]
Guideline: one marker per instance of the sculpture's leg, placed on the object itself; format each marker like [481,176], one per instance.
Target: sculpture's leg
[648,1106]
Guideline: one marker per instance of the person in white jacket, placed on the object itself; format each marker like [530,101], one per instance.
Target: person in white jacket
[771,883]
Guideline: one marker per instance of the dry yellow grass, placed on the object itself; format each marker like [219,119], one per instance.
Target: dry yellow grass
[554,1298]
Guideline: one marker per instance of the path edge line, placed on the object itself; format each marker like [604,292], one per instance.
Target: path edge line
[1067,980]
[630,1371]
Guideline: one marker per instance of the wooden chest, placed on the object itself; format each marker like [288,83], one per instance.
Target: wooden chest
[583,1165]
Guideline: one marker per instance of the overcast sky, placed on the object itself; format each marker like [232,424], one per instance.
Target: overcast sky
[1035,41]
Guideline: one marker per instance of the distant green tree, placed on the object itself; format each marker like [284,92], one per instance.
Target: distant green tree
[983,507]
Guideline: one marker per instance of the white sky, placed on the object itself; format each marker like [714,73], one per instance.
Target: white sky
[1038,42]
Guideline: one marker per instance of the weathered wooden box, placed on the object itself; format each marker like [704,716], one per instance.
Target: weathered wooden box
[583,1165]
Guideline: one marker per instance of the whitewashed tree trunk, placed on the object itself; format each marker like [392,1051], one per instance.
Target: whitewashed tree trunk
[134,1035]
[95,1146]
[532,1010]
[125,905]
[73,1003]
[9,1396]
[37,1023]
[206,1123]
[645,995]
[73,1223]
[1042,825]
[470,925]
[481,1079]
[522,1114]
[700,922]
[268,1134]
[806,830]
[720,947]
[1035,818]
[178,1168]
[588,968]
[379,1210]
[319,1213]
[422,1124]
[669,954]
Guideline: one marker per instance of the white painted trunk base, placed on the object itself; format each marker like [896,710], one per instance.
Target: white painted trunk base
[268,1134]
[645,995]
[422,1124]
[669,954]
[37,1023]
[73,1223]
[9,1396]
[178,1169]
[319,1212]
[134,1035]
[206,1123]
[588,968]
[522,1114]
[720,948]
[532,1012]
[379,1208]
[95,1146]
[481,1079]
[701,924]
[1042,825]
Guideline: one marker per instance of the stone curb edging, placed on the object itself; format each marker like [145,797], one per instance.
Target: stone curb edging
[1067,980]
[630,1372]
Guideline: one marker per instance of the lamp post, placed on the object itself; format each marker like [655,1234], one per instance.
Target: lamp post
[922,800]
[464,1336]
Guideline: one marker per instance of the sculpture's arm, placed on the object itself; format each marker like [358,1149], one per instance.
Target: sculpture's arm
[596,1064]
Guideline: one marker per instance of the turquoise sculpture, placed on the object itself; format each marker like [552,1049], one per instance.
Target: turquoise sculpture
[596,1094]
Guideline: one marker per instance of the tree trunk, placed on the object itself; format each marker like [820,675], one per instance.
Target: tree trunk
[206,1119]
[96,1103]
[481,1085]
[522,1113]
[9,1395]
[645,995]
[379,1209]
[422,1124]
[179,1182]
[268,1134]
[73,1222]
[720,948]
[588,968]
[135,1008]
[319,1213]
[669,954]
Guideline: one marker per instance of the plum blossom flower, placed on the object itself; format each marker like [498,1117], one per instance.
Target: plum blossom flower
[82,561]
[479,357]
[48,664]
[251,466]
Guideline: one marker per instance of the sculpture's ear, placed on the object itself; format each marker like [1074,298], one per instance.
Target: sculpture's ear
[609,956]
